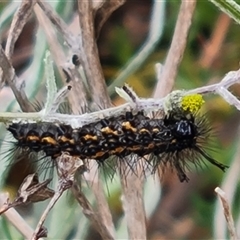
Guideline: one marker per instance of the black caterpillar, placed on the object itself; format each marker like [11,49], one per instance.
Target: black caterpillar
[177,139]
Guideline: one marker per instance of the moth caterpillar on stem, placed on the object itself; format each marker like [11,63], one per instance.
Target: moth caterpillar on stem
[177,137]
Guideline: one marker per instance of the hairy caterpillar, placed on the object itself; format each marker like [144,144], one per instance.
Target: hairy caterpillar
[176,138]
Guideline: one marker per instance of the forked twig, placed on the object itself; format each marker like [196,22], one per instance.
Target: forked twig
[141,104]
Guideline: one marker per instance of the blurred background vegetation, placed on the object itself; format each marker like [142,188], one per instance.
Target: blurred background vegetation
[212,50]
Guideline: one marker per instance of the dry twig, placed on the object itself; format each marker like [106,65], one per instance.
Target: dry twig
[104,12]
[66,167]
[8,73]
[230,183]
[13,217]
[227,213]
[19,20]
[212,48]
[58,23]
[104,230]
[132,200]
[9,76]
[167,75]
[77,96]
[89,55]
[62,187]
